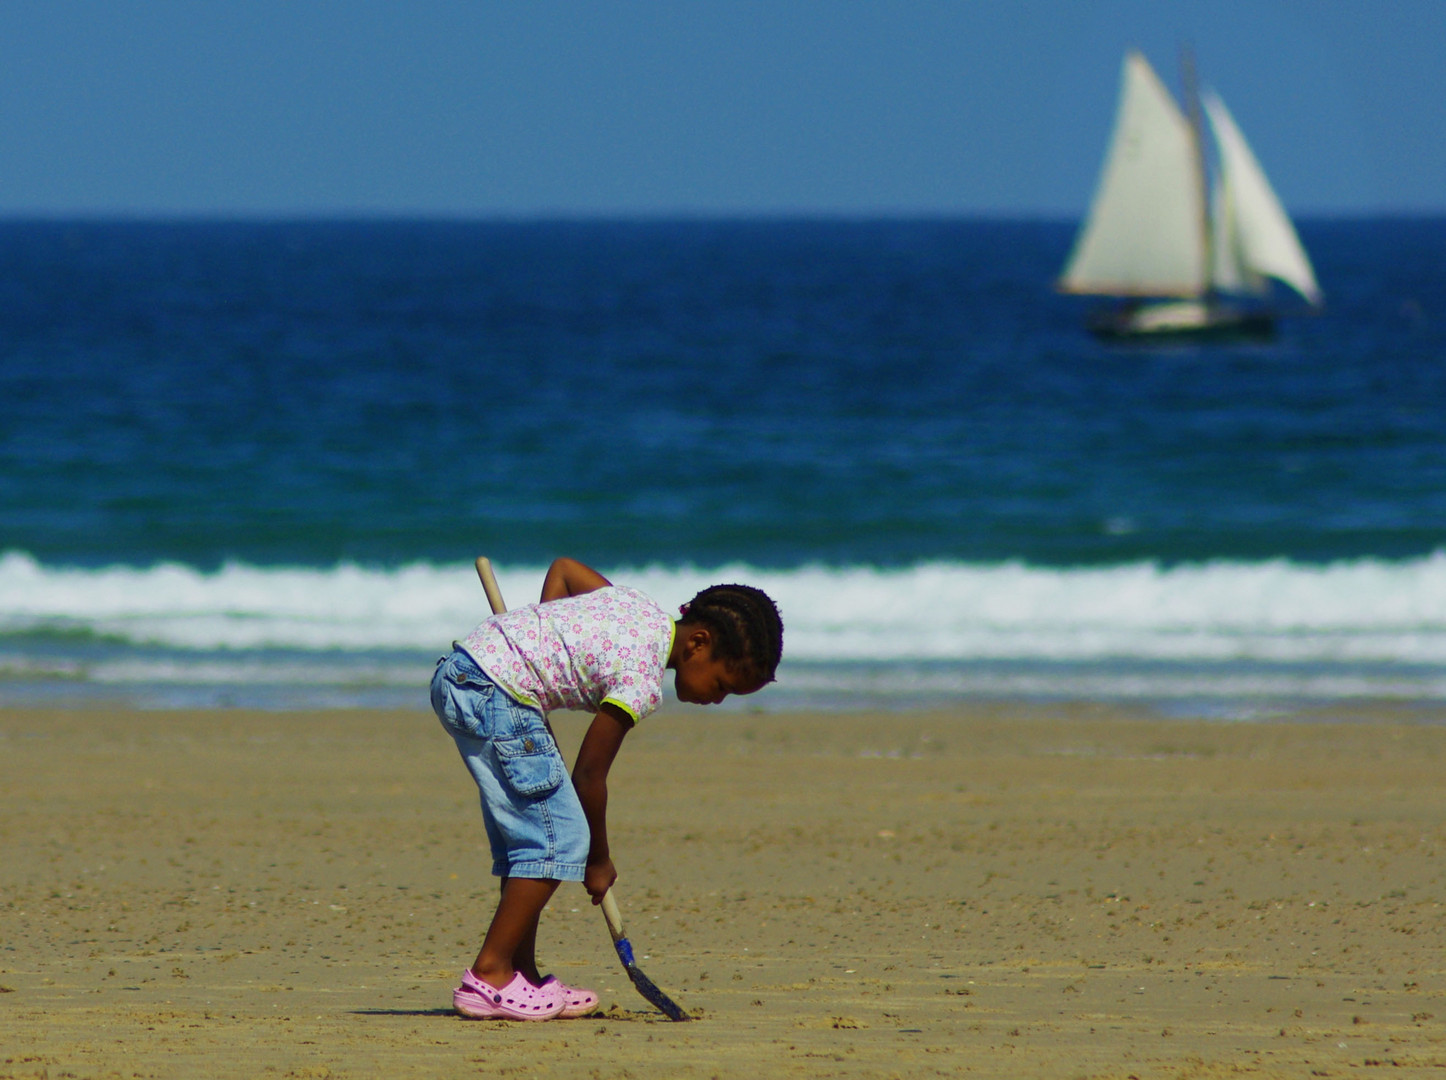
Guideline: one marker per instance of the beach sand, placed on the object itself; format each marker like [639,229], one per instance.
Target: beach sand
[1011,891]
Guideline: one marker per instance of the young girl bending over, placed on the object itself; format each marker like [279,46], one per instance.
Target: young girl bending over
[598,647]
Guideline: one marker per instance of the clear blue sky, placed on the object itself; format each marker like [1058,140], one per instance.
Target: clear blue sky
[287,107]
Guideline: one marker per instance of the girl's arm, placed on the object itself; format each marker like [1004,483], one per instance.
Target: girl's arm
[568,577]
[590,777]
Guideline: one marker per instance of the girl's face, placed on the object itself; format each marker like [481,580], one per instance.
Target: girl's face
[703,679]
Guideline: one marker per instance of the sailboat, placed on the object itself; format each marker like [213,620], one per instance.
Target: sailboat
[1153,233]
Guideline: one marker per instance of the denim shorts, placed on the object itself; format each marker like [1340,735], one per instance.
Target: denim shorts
[534,820]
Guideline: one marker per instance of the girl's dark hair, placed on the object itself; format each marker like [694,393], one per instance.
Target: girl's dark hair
[746,626]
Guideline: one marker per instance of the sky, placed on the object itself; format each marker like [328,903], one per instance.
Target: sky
[534,108]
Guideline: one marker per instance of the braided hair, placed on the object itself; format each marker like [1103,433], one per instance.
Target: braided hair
[745,623]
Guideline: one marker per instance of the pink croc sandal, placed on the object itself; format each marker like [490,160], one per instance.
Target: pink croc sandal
[579,1002]
[518,1000]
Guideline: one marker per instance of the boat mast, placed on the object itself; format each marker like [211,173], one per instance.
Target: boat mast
[1197,130]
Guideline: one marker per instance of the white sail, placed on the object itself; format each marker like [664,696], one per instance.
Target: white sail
[1143,235]
[1228,270]
[1253,237]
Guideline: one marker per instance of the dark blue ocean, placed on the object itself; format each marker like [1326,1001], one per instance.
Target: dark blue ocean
[251,463]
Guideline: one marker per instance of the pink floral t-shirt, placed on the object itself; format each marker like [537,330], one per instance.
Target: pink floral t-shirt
[610,645]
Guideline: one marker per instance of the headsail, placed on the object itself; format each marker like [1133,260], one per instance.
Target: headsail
[1228,270]
[1142,237]
[1253,235]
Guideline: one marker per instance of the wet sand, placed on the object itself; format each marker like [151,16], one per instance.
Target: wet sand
[995,891]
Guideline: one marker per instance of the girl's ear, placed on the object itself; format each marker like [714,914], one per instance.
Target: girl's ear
[699,638]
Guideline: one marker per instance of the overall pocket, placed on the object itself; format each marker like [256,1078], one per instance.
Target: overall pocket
[531,764]
[460,697]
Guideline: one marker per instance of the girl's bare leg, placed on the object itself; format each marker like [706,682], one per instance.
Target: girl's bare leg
[512,938]
[525,958]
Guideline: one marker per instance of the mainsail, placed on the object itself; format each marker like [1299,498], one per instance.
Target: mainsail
[1143,233]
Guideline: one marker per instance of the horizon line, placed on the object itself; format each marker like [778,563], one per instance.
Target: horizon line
[343,216]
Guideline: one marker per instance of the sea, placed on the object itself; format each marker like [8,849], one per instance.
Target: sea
[250,463]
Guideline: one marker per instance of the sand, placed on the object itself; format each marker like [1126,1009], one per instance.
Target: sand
[1007,891]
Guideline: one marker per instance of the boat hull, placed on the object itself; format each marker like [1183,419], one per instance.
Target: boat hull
[1183,321]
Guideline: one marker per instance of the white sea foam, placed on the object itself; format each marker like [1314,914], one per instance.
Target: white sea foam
[1361,611]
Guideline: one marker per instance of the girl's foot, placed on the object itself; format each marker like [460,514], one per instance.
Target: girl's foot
[578,1001]
[518,1000]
